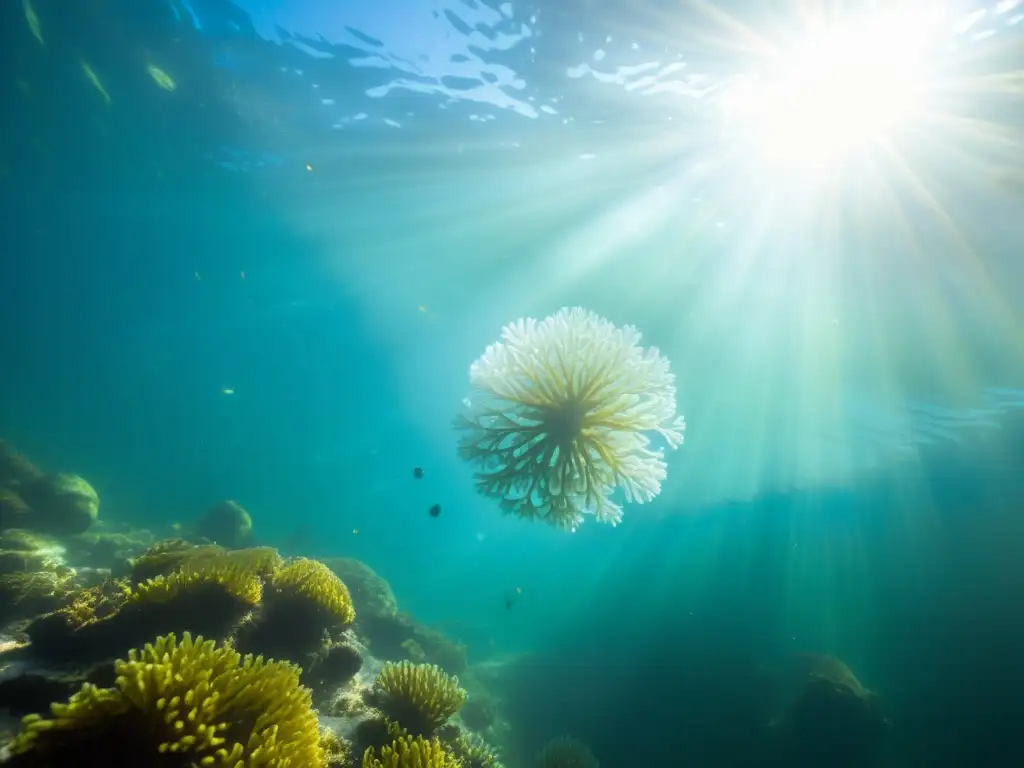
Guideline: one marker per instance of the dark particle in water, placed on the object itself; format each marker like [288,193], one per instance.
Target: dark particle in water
[435,511]
[417,472]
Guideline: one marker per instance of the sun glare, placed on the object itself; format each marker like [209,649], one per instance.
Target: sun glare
[841,89]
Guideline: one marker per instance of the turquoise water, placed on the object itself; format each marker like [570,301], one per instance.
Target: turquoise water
[252,248]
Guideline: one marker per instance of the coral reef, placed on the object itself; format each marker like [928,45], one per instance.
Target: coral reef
[422,697]
[560,416]
[180,704]
[77,604]
[566,752]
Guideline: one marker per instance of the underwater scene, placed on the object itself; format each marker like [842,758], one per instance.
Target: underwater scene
[483,384]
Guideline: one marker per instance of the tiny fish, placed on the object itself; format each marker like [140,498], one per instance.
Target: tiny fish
[435,511]
[161,78]
[417,472]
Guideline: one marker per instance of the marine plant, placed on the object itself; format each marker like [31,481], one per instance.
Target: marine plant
[421,697]
[181,704]
[561,415]
[411,752]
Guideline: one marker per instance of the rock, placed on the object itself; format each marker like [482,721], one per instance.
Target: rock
[15,469]
[332,668]
[371,594]
[227,524]
[832,719]
[61,504]
[29,552]
[14,511]
[391,634]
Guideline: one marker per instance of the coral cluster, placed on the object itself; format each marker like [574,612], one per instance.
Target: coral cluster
[419,696]
[408,752]
[181,704]
[560,417]
[303,604]
[315,584]
[212,594]
[473,752]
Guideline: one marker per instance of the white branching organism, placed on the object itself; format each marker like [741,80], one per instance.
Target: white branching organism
[562,413]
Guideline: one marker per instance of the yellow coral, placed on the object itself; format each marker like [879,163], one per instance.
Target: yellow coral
[420,696]
[239,573]
[204,702]
[166,557]
[235,580]
[560,416]
[473,752]
[406,752]
[97,602]
[315,582]
[336,750]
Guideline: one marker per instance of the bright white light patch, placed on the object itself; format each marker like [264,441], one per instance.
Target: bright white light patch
[844,88]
